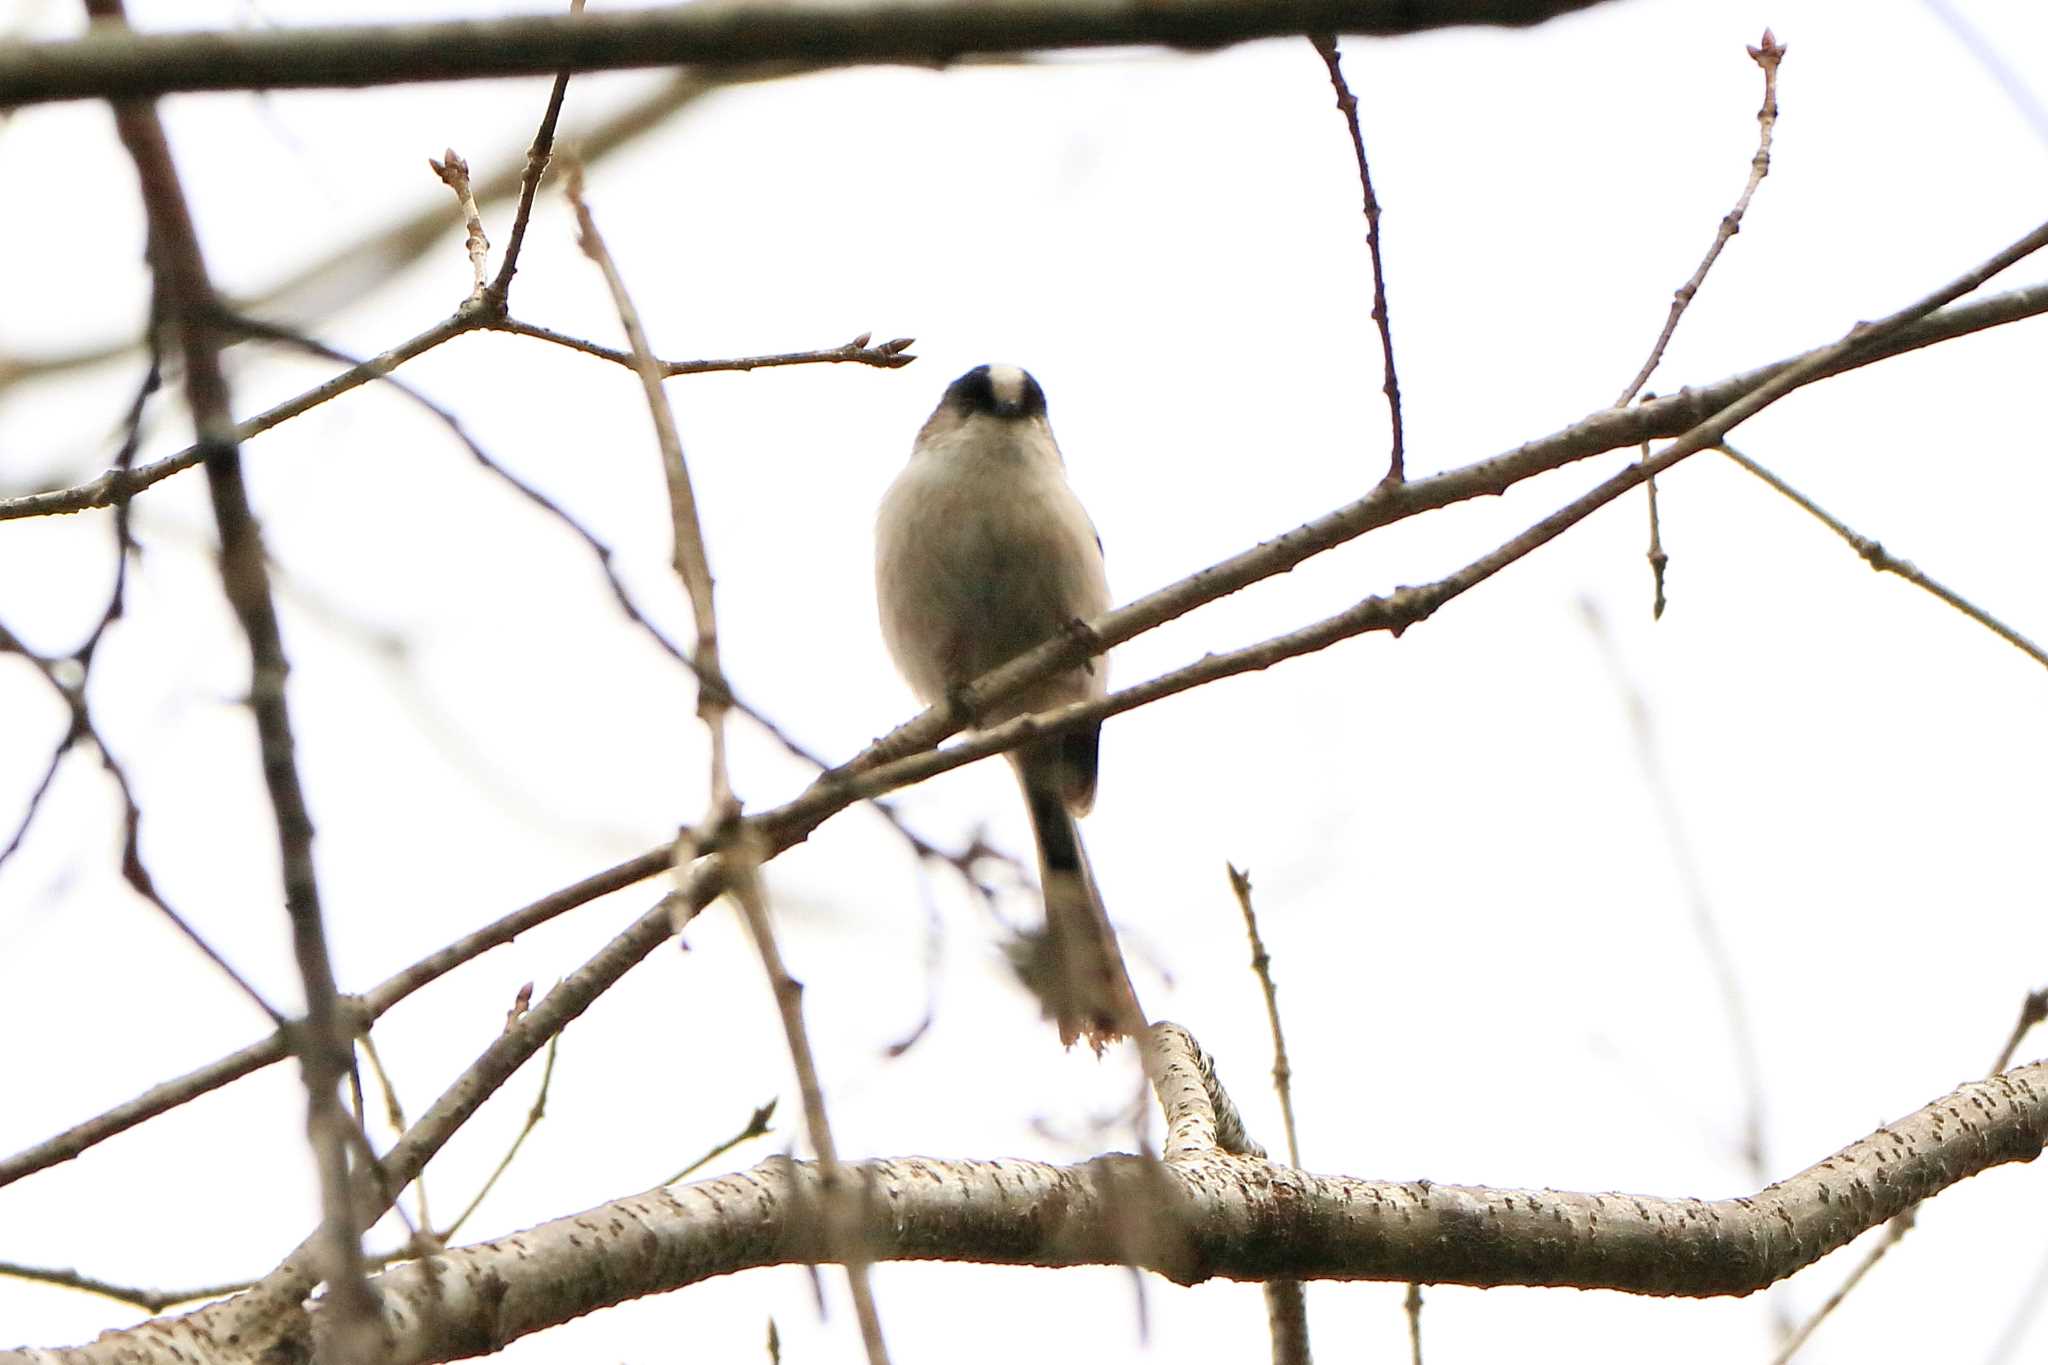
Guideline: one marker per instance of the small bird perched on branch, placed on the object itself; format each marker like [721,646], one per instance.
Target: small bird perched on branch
[982,552]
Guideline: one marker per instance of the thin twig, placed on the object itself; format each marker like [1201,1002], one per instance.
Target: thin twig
[394,1112]
[124,460]
[534,1115]
[890,355]
[1882,560]
[1767,55]
[690,562]
[188,303]
[687,556]
[843,1202]
[756,1126]
[36,795]
[454,173]
[394,1116]
[1659,561]
[1286,1305]
[537,156]
[1347,103]
[1262,967]
[1412,1303]
[2033,1011]
[845,1197]
[148,1300]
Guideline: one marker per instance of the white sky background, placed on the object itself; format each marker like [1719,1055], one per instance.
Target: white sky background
[1485,949]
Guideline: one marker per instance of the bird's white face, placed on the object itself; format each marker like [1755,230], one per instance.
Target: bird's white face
[1008,384]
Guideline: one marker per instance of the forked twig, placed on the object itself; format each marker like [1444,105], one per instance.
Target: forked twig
[1766,55]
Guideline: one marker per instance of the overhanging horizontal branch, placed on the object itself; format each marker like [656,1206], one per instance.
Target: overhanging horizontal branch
[107,64]
[1214,1214]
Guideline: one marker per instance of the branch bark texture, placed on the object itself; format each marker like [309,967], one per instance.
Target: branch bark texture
[1228,1215]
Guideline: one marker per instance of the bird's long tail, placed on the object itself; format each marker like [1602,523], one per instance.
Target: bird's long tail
[1075,967]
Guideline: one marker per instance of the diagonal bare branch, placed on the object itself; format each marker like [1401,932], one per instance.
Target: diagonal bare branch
[187,305]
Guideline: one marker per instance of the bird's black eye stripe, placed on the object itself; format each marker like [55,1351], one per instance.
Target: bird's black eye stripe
[1032,401]
[972,391]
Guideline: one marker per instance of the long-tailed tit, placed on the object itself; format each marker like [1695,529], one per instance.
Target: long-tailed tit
[983,552]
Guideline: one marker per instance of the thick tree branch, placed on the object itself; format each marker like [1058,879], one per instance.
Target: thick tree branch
[1242,1218]
[104,64]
